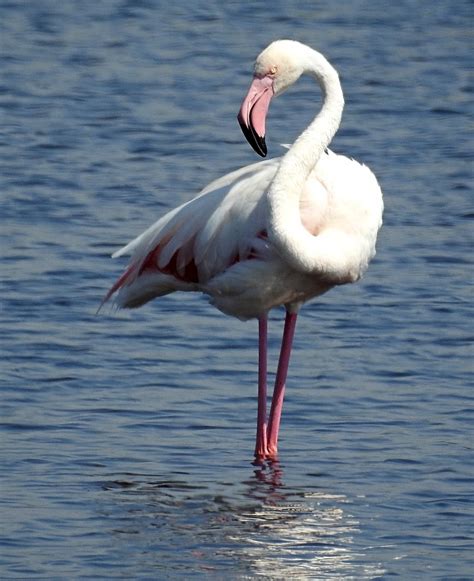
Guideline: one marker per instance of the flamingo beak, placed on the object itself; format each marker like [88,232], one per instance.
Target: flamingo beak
[253,113]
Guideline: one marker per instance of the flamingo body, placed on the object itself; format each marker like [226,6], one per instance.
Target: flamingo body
[218,243]
[277,232]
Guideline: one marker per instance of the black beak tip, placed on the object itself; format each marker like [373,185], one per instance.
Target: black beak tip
[257,143]
[262,147]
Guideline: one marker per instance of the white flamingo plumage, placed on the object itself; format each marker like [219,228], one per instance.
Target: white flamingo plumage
[277,232]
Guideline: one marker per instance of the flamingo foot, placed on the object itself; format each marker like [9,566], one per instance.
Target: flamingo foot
[265,454]
[272,454]
[261,444]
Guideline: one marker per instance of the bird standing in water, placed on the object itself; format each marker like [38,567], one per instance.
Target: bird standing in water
[278,232]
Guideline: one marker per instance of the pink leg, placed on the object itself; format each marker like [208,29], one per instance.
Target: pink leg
[279,390]
[261,441]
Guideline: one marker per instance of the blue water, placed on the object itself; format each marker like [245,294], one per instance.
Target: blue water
[126,438]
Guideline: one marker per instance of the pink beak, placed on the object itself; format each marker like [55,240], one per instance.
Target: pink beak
[253,113]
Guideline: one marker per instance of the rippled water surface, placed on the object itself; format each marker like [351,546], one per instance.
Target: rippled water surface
[126,438]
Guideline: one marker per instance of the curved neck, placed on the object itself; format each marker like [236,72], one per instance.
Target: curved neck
[286,229]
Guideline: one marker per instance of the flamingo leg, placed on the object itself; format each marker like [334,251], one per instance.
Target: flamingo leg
[279,390]
[261,440]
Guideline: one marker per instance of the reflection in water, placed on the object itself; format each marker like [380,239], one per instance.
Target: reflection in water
[280,534]
[299,534]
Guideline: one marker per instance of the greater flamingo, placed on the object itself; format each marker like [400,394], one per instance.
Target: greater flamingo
[277,232]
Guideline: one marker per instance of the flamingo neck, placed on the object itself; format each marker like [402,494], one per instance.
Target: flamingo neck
[292,240]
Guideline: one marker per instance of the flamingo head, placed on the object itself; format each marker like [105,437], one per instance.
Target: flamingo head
[276,68]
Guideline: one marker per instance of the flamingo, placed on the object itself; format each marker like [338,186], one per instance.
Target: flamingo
[275,233]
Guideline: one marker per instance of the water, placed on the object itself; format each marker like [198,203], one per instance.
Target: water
[126,438]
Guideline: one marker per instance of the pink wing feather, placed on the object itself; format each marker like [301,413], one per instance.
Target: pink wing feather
[191,244]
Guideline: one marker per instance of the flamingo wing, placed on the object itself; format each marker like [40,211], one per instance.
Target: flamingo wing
[199,239]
